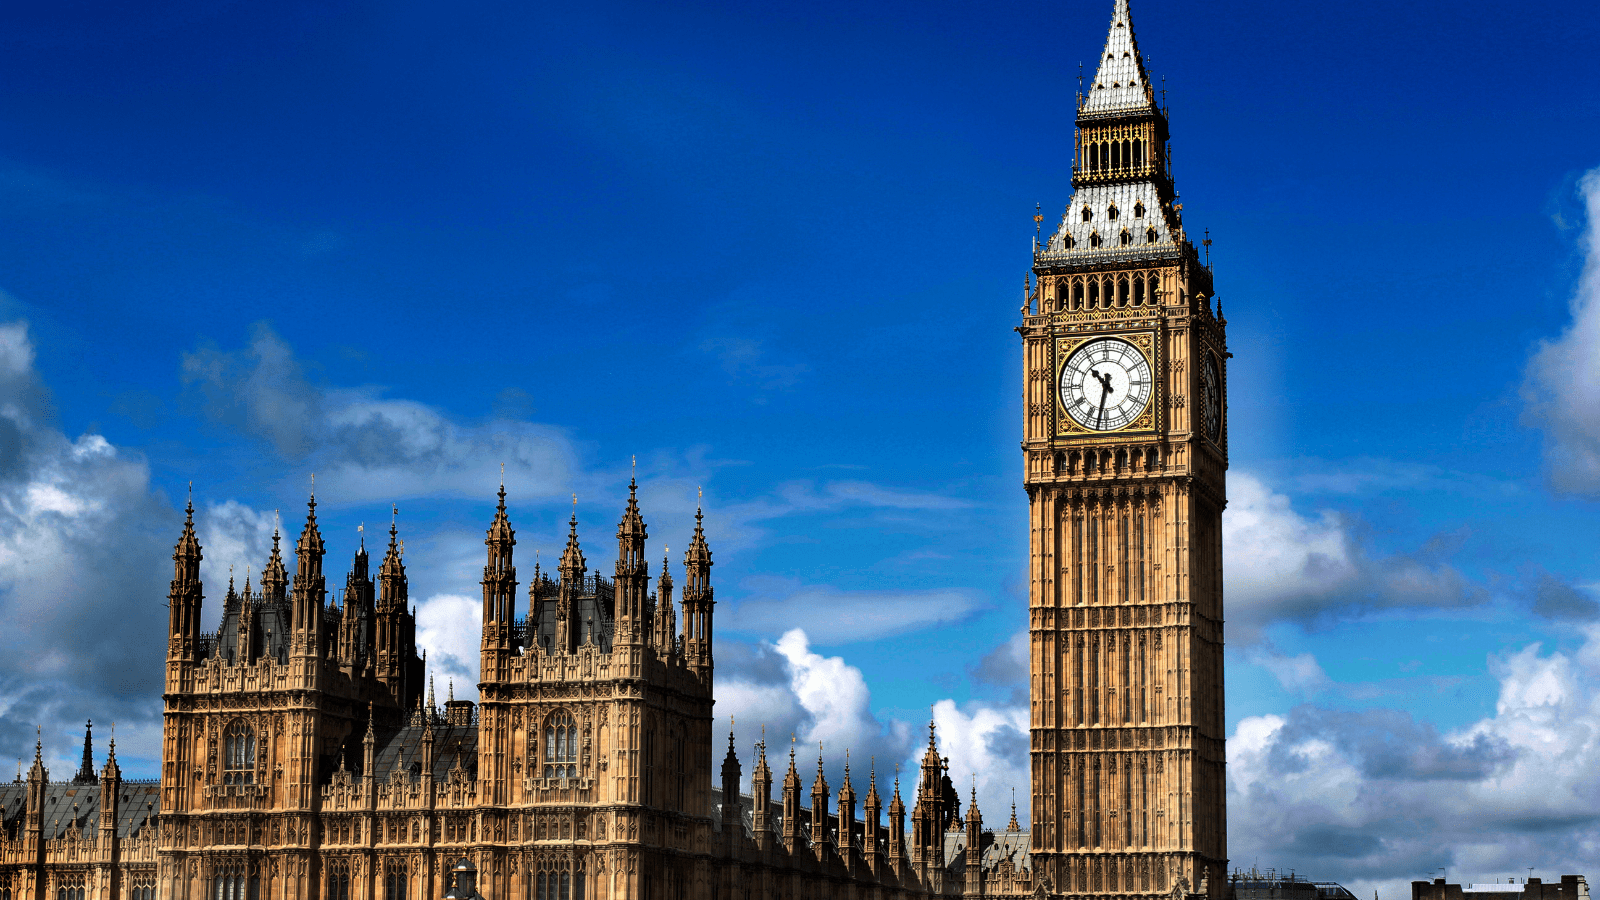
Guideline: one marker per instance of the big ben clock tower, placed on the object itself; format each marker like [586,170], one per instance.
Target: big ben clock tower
[1125,445]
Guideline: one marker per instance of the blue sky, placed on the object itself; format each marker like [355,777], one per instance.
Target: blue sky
[777,252]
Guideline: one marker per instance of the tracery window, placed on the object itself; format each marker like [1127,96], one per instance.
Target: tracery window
[143,888]
[5,886]
[557,884]
[560,747]
[394,883]
[229,883]
[238,754]
[339,881]
[69,887]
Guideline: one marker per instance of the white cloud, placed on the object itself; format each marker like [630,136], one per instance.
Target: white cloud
[1281,565]
[83,545]
[991,743]
[366,447]
[450,628]
[1562,383]
[1377,798]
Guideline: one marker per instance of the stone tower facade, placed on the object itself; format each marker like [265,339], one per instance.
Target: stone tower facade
[1125,446]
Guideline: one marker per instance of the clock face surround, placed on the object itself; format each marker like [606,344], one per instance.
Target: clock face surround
[1105,384]
[1210,398]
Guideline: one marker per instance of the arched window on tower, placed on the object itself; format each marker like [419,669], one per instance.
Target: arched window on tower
[1127,153]
[1138,152]
[1124,238]
[1138,210]
[1138,290]
[1087,214]
[1067,243]
[1094,157]
[560,747]
[1111,212]
[338,882]
[238,753]
[1150,236]
[1094,294]
[394,882]
[1094,239]
[1077,295]
[1116,155]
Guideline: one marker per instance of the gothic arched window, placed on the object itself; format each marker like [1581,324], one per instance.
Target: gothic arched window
[560,747]
[70,887]
[394,883]
[1138,152]
[238,754]
[339,882]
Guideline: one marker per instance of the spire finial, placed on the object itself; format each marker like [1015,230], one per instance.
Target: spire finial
[190,506]
[451,687]
[361,531]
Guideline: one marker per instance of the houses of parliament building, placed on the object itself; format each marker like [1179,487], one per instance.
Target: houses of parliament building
[304,757]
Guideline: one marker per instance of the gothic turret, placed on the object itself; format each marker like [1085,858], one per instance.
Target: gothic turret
[186,595]
[310,589]
[697,601]
[791,805]
[872,811]
[664,632]
[572,569]
[732,820]
[499,593]
[396,628]
[356,622]
[974,860]
[932,814]
[761,797]
[897,829]
[633,572]
[821,821]
[847,819]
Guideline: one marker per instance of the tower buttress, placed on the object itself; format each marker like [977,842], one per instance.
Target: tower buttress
[974,860]
[761,798]
[791,806]
[847,819]
[897,830]
[396,629]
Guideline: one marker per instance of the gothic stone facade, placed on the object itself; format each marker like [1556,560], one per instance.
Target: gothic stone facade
[303,760]
[1125,448]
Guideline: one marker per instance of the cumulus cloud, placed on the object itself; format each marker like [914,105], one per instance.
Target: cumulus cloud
[450,628]
[789,689]
[1281,565]
[987,746]
[1381,798]
[834,616]
[364,446]
[84,560]
[1562,384]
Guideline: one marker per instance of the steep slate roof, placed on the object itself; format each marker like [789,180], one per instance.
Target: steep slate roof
[1121,82]
[76,807]
[450,742]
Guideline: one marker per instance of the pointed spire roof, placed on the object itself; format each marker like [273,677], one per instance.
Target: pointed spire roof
[1012,825]
[188,544]
[111,771]
[572,557]
[274,576]
[311,535]
[698,551]
[632,524]
[500,529]
[86,771]
[1121,83]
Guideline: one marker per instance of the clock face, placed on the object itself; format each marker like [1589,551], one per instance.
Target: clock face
[1105,384]
[1210,398]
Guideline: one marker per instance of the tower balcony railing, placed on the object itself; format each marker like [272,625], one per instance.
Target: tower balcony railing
[1089,256]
